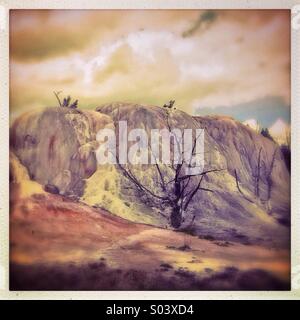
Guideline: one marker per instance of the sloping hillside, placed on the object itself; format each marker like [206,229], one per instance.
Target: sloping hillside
[231,211]
[57,146]
[61,244]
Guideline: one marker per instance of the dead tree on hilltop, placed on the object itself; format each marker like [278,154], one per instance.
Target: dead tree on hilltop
[170,104]
[66,101]
[57,97]
[175,189]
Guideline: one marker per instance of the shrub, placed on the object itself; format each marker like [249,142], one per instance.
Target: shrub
[265,132]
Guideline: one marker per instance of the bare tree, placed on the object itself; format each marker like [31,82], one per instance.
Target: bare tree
[266,176]
[170,104]
[257,174]
[174,188]
[238,186]
[66,101]
[57,97]
[269,175]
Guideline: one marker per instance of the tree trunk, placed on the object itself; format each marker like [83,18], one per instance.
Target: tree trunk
[176,217]
[258,174]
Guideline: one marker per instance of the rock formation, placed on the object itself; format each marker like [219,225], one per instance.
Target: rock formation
[251,198]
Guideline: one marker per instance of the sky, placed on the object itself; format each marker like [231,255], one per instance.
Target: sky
[233,62]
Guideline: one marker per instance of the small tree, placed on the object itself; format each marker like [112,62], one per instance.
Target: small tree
[170,104]
[266,133]
[66,101]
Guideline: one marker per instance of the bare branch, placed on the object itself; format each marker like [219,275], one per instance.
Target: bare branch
[163,185]
[257,177]
[127,172]
[182,178]
[162,181]
[190,197]
[238,187]
[57,97]
[269,174]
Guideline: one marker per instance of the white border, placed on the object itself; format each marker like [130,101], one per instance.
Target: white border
[5,5]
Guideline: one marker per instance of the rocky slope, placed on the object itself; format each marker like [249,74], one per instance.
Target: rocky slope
[57,146]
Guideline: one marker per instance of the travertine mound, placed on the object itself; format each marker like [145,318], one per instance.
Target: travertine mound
[57,146]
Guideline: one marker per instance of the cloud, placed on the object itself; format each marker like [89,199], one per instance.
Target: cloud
[42,34]
[141,57]
[36,35]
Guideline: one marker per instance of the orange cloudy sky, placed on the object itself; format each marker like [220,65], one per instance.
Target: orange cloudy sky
[216,61]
